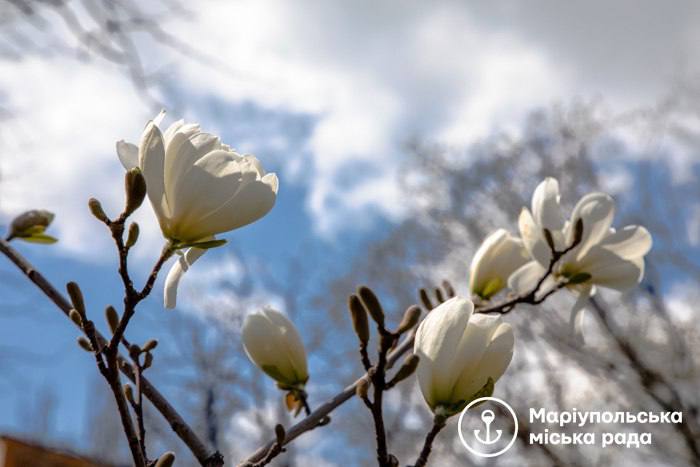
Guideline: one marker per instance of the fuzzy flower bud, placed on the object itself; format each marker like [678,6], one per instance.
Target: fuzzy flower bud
[274,345]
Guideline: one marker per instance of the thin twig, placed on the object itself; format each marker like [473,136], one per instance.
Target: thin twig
[132,298]
[364,357]
[376,407]
[438,424]
[114,381]
[531,298]
[651,380]
[138,407]
[274,451]
[177,423]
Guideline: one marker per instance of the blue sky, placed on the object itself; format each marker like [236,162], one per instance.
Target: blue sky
[325,96]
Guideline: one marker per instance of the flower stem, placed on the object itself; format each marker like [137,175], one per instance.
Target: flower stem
[438,424]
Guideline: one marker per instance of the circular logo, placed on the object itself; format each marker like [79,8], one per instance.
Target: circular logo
[485,437]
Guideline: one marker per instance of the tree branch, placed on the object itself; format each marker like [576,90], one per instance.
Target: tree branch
[378,379]
[177,423]
[531,298]
[438,424]
[650,380]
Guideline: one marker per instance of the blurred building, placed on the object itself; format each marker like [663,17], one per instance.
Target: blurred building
[18,453]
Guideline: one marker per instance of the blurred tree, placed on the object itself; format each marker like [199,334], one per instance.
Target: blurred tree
[637,358]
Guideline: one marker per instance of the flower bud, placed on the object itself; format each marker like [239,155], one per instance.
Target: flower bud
[166,460]
[129,393]
[372,305]
[438,295]
[407,369]
[75,317]
[461,354]
[359,319]
[31,225]
[147,360]
[273,344]
[447,286]
[133,235]
[85,344]
[362,388]
[76,297]
[97,211]
[280,434]
[410,319]
[497,258]
[112,318]
[150,345]
[425,299]
[135,187]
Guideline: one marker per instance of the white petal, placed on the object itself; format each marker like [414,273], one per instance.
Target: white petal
[159,118]
[271,340]
[260,339]
[545,205]
[128,154]
[437,339]
[499,352]
[525,279]
[629,243]
[171,130]
[577,313]
[610,270]
[176,272]
[467,356]
[496,259]
[208,195]
[183,151]
[293,347]
[533,238]
[597,211]
[152,158]
[251,201]
[493,363]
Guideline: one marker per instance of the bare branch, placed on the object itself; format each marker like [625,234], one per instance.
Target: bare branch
[177,423]
[438,425]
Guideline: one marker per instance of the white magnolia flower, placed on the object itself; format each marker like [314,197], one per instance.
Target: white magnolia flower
[603,257]
[459,352]
[497,258]
[274,345]
[198,187]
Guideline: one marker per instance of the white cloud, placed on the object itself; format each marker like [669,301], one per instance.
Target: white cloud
[372,75]
[59,150]
[220,288]
[377,74]
[681,300]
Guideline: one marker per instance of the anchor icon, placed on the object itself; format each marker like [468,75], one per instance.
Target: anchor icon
[487,416]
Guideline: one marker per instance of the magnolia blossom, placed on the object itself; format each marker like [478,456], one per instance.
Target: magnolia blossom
[603,257]
[274,345]
[496,259]
[198,187]
[459,353]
